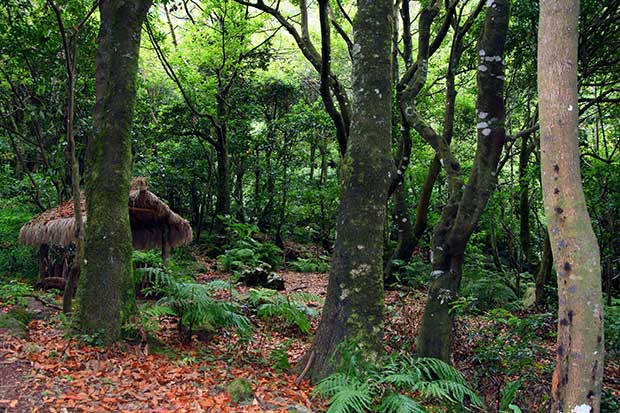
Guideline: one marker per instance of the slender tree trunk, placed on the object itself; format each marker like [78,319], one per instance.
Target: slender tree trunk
[524,208]
[222,190]
[354,305]
[578,374]
[544,271]
[467,202]
[411,234]
[106,293]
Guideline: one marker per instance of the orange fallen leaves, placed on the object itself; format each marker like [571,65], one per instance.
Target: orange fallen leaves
[70,376]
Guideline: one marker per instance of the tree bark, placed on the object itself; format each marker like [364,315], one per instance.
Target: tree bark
[467,202]
[578,374]
[106,293]
[354,305]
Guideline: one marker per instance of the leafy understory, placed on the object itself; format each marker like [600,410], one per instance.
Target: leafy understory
[398,384]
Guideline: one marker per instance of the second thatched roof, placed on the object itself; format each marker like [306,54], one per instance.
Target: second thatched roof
[149,216]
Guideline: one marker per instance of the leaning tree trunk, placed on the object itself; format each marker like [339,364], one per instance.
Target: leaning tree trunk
[106,293]
[354,305]
[578,374]
[467,202]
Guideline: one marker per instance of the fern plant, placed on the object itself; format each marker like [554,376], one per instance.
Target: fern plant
[396,384]
[192,304]
[293,309]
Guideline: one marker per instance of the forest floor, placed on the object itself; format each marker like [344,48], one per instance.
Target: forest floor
[47,372]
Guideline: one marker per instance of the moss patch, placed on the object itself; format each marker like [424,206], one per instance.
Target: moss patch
[240,390]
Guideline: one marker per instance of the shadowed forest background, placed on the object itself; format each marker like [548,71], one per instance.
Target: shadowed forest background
[300,206]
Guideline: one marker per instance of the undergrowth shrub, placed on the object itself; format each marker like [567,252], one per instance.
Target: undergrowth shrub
[245,252]
[395,384]
[612,329]
[12,292]
[310,265]
[292,309]
[16,261]
[192,303]
[511,346]
[488,288]
[415,273]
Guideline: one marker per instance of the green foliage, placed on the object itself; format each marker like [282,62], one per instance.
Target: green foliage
[511,345]
[292,309]
[509,392]
[415,273]
[12,292]
[144,259]
[389,385]
[488,289]
[250,253]
[311,265]
[278,357]
[192,304]
[612,330]
[16,261]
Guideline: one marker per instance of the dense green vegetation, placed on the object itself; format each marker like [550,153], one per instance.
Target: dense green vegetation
[246,122]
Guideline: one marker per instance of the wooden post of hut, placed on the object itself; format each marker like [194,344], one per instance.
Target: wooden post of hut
[165,244]
[44,250]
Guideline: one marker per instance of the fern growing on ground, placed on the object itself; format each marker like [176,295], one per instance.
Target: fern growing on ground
[396,384]
[293,308]
[192,303]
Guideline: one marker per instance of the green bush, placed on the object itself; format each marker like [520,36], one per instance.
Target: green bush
[310,265]
[250,253]
[144,259]
[394,384]
[511,345]
[612,330]
[488,289]
[292,309]
[16,261]
[192,303]
[415,273]
[11,292]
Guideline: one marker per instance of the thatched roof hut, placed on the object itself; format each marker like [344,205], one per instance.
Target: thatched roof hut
[153,224]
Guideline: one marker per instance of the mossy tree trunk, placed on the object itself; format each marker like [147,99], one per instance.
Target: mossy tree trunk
[354,305]
[106,293]
[578,374]
[466,202]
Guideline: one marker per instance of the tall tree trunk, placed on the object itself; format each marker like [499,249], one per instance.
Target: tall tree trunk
[467,202]
[578,374]
[106,293]
[354,305]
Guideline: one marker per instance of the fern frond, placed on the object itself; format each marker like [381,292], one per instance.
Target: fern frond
[334,383]
[508,394]
[353,398]
[399,403]
[400,380]
[302,297]
[448,390]
[215,285]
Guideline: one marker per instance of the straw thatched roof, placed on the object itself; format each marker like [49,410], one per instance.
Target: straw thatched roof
[149,217]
